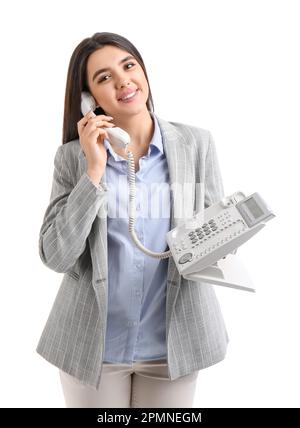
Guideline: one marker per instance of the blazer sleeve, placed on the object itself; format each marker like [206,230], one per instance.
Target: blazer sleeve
[69,216]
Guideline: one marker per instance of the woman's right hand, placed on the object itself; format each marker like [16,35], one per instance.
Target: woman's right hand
[91,137]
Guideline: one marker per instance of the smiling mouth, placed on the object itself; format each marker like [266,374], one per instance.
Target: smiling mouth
[130,97]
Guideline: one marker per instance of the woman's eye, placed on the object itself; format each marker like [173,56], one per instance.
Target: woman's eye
[130,63]
[103,78]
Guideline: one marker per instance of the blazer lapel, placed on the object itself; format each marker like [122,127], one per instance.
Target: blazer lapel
[181,165]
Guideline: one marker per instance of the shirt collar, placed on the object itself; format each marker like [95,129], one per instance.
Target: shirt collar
[155,141]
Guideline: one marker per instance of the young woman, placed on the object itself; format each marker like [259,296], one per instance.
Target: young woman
[125,329]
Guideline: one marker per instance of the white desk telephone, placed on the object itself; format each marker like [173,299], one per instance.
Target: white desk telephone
[197,246]
[202,250]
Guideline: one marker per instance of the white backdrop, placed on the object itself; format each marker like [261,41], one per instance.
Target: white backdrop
[230,67]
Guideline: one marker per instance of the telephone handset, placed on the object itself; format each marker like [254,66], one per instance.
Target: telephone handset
[198,246]
[117,136]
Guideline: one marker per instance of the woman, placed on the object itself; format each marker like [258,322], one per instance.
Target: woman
[126,330]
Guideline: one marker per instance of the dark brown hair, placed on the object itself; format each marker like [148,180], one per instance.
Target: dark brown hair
[77,78]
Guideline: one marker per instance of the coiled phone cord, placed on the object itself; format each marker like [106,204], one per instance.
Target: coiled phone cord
[132,208]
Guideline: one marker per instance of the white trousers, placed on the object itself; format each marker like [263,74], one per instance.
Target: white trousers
[142,384]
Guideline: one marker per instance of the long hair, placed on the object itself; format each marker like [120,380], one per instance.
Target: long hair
[77,78]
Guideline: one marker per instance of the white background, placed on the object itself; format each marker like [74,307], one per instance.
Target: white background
[231,67]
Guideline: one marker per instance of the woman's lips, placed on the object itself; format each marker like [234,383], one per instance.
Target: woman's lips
[128,100]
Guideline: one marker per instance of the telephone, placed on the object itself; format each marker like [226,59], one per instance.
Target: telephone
[197,246]
[201,249]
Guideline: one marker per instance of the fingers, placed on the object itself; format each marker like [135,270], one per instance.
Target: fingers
[102,122]
[98,121]
[94,128]
[84,120]
[103,133]
[93,125]
[89,116]
[99,133]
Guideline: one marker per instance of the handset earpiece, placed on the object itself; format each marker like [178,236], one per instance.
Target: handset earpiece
[88,103]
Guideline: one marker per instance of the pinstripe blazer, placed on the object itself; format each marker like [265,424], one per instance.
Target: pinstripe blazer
[73,241]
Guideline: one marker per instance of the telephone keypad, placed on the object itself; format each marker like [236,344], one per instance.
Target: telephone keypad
[210,229]
[200,232]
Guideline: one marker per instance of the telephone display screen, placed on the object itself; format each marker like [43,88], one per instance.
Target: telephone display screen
[254,209]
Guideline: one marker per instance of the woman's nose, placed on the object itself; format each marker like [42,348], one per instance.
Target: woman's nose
[124,83]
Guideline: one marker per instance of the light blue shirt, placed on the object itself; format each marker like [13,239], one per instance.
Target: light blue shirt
[137,283]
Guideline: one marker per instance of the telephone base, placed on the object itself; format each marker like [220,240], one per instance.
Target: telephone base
[228,272]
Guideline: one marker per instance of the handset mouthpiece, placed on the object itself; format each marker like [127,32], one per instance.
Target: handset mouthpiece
[118,137]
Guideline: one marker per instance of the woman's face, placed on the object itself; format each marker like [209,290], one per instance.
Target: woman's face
[108,86]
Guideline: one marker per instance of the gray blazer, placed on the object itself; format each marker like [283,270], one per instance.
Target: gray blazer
[73,241]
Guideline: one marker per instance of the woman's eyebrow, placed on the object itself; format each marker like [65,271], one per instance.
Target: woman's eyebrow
[107,68]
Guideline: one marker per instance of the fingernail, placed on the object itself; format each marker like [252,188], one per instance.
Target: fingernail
[109,117]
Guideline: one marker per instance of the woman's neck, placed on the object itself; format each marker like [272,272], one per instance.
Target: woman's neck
[139,126]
